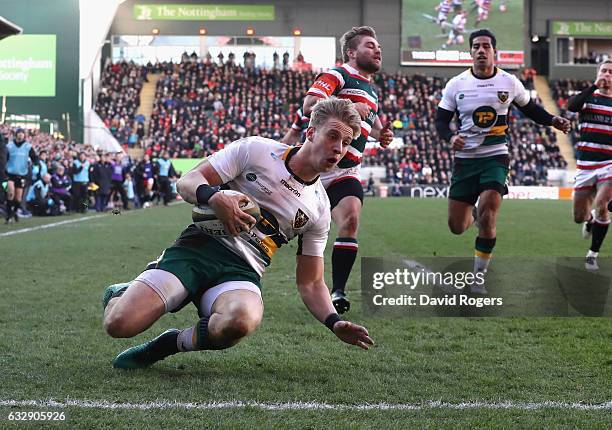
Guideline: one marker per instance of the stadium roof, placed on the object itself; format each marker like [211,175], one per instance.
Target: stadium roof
[7,28]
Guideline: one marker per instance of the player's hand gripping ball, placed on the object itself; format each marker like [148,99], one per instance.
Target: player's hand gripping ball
[205,218]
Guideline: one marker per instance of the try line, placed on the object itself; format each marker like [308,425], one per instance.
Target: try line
[271,406]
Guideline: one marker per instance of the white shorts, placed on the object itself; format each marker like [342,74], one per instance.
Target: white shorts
[590,179]
[172,292]
[337,174]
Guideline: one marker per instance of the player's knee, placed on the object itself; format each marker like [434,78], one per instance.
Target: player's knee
[580,216]
[241,323]
[456,227]
[350,224]
[116,324]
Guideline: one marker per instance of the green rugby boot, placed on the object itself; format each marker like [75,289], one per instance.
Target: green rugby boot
[138,357]
[114,290]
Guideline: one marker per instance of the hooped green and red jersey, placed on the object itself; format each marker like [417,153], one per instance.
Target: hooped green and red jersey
[345,82]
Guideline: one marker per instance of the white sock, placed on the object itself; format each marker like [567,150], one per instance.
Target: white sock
[481,264]
[185,341]
[592,254]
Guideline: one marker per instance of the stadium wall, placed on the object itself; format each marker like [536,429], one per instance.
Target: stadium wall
[314,18]
[60,17]
[546,11]
[332,18]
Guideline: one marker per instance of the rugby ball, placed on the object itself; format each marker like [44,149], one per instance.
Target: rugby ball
[205,218]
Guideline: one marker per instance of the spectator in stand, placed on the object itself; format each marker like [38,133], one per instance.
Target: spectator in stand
[101,175]
[60,189]
[164,173]
[117,179]
[145,175]
[40,168]
[130,191]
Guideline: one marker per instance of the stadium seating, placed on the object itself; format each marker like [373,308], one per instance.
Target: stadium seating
[118,101]
[562,90]
[201,105]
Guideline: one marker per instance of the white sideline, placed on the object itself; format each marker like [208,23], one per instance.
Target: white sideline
[271,406]
[68,221]
[54,224]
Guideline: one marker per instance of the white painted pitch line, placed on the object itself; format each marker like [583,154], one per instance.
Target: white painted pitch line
[53,224]
[270,406]
[68,221]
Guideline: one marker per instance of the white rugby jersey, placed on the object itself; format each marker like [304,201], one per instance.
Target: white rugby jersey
[258,167]
[482,106]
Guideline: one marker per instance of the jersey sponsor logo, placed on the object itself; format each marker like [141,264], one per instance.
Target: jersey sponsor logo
[290,188]
[484,116]
[324,86]
[252,177]
[300,220]
[502,96]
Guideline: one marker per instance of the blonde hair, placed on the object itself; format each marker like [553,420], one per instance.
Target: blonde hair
[341,109]
[351,39]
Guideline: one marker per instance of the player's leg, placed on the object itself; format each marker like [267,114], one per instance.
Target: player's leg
[10,195]
[492,187]
[585,183]
[19,185]
[134,311]
[462,195]
[231,311]
[488,208]
[459,215]
[183,274]
[583,201]
[346,198]
[601,222]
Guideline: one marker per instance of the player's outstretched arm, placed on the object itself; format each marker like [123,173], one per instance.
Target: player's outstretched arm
[314,292]
[575,103]
[538,114]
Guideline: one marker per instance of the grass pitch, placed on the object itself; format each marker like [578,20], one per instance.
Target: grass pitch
[53,346]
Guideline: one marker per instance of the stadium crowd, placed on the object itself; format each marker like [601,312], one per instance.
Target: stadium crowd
[202,105]
[65,177]
[119,99]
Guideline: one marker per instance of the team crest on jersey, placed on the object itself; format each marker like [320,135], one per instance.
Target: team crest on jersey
[502,96]
[300,220]
[484,116]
